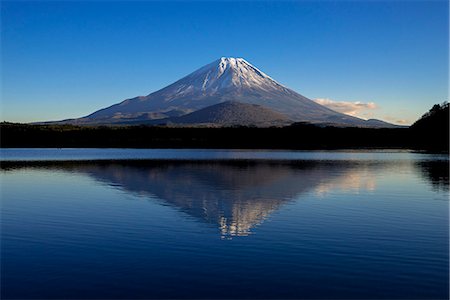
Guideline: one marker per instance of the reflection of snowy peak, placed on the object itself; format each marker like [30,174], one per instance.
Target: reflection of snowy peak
[236,197]
[226,79]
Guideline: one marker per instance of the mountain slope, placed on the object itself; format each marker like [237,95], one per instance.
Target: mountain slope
[234,113]
[226,79]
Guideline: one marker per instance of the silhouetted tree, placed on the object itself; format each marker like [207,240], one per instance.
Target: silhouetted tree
[432,129]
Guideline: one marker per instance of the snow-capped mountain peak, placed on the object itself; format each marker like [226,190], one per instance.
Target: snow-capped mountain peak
[229,72]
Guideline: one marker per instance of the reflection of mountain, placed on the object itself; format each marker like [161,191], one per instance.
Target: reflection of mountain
[235,196]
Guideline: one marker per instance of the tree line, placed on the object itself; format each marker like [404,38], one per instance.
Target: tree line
[431,132]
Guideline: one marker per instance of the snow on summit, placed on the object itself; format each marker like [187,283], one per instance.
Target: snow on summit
[229,72]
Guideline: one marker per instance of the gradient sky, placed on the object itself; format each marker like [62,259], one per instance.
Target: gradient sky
[66,59]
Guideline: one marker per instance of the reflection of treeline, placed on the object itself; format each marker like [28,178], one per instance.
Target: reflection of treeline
[436,172]
[297,136]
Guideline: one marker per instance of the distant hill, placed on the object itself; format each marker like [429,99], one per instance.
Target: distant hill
[380,123]
[232,113]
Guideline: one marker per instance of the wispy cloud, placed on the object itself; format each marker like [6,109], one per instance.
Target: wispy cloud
[352,108]
[397,121]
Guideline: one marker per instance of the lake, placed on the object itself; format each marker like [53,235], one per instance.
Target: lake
[165,223]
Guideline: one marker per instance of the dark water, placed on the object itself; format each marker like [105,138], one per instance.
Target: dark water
[325,225]
[57,154]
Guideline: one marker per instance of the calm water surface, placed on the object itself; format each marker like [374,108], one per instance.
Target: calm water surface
[104,223]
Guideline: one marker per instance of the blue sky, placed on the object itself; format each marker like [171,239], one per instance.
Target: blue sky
[66,59]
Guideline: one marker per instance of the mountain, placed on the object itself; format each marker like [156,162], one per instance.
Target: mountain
[226,79]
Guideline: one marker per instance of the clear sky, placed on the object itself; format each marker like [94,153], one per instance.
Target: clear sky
[66,59]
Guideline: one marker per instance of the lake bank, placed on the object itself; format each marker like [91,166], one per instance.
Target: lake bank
[301,137]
